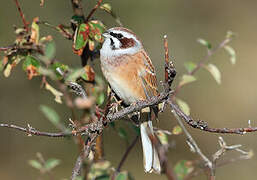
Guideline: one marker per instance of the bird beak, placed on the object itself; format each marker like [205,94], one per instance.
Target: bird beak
[105,34]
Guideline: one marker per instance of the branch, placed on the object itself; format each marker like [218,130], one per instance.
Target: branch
[77,8]
[244,156]
[194,147]
[93,10]
[169,68]
[124,157]
[84,154]
[25,23]
[204,126]
[139,105]
[87,129]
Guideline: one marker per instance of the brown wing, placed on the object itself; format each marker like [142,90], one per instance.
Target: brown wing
[148,76]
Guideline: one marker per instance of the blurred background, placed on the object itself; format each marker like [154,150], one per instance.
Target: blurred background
[230,104]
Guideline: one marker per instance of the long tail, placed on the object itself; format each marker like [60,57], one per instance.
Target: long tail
[151,158]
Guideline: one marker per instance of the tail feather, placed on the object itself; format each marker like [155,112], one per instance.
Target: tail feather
[151,158]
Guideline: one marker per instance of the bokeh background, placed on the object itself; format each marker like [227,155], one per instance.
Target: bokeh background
[230,104]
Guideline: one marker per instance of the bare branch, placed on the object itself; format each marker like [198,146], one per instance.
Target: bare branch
[124,157]
[25,23]
[84,154]
[169,68]
[87,129]
[77,8]
[204,126]
[139,105]
[93,10]
[193,145]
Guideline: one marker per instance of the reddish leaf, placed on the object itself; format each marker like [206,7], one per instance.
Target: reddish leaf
[31,71]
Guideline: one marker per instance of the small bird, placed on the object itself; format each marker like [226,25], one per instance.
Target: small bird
[131,75]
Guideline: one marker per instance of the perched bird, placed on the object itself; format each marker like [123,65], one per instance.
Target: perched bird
[131,75]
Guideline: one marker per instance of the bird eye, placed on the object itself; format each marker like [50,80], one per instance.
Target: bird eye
[112,34]
[119,36]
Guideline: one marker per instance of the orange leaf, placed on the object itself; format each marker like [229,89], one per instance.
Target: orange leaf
[31,71]
[90,73]
[34,31]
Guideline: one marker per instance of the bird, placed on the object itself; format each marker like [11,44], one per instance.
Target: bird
[131,75]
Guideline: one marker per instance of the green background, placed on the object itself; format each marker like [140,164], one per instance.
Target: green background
[231,104]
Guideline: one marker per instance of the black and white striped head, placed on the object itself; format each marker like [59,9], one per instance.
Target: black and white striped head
[119,41]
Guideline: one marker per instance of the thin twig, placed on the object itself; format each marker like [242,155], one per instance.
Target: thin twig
[124,157]
[77,8]
[202,125]
[86,129]
[60,28]
[25,23]
[169,68]
[31,131]
[93,10]
[84,154]
[244,156]
[192,142]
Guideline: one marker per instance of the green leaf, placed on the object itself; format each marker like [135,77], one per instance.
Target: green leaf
[96,30]
[186,79]
[81,36]
[50,50]
[77,19]
[183,168]
[123,133]
[79,178]
[107,7]
[177,130]
[163,137]
[103,177]
[51,163]
[57,67]
[214,72]
[99,170]
[30,60]
[230,34]
[51,114]
[35,164]
[100,99]
[183,106]
[190,66]
[232,54]
[204,43]
[75,74]
[122,176]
